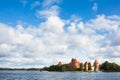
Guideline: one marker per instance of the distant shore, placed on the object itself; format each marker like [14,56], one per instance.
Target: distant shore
[35,69]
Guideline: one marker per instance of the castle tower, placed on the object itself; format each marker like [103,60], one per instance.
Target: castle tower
[96,65]
[59,63]
[86,66]
[74,64]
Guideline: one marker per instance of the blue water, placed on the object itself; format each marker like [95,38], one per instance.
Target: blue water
[37,75]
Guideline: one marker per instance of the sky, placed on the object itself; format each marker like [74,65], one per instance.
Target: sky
[38,33]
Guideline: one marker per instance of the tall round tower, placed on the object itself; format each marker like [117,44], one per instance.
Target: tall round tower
[96,65]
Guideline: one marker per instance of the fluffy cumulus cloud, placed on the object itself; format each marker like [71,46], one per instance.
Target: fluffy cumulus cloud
[50,42]
[59,39]
[47,12]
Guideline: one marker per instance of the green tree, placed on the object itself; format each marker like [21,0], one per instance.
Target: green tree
[63,68]
[53,68]
[81,66]
[107,66]
[89,66]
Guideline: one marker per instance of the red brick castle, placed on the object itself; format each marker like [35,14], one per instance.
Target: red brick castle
[75,64]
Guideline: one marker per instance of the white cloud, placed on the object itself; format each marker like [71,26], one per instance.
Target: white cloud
[53,24]
[75,18]
[95,7]
[52,11]
[49,42]
[48,3]
[102,22]
[72,28]
[35,4]
[114,38]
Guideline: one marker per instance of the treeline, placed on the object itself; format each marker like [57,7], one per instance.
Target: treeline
[55,68]
[109,67]
[35,69]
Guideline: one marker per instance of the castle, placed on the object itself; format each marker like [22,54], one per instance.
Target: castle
[75,64]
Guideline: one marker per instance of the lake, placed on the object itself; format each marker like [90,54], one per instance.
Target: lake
[37,75]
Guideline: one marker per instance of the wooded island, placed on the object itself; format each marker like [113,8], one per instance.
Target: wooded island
[75,65]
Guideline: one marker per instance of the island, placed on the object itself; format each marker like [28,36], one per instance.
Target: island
[75,65]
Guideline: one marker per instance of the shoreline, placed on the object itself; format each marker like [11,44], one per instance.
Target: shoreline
[57,71]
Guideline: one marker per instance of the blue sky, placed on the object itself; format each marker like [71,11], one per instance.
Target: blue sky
[37,33]
[15,10]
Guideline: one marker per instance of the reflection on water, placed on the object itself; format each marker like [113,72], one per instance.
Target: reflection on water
[37,75]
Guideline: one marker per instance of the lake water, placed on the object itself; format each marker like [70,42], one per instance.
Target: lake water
[37,75]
